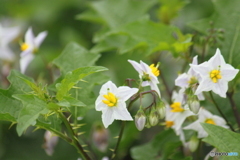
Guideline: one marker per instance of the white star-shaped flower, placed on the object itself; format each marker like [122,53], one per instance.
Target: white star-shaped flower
[189,79]
[205,116]
[147,74]
[29,47]
[215,75]
[111,101]
[177,112]
[7,35]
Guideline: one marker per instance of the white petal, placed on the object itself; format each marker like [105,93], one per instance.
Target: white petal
[136,66]
[99,105]
[146,68]
[200,96]
[29,37]
[24,62]
[204,114]
[121,112]
[220,88]
[216,59]
[38,40]
[145,83]
[154,87]
[204,85]
[107,117]
[219,121]
[202,69]
[108,87]
[195,61]
[6,54]
[229,73]
[9,34]
[124,92]
[181,118]
[182,80]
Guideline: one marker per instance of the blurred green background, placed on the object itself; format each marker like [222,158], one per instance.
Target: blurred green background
[64,25]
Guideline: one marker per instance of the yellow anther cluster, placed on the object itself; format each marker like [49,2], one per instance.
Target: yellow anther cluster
[210,121]
[155,70]
[169,124]
[176,107]
[111,99]
[215,75]
[24,46]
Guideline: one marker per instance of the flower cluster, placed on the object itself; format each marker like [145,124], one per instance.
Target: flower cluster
[111,100]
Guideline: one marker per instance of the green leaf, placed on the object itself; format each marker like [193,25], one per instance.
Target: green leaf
[70,101]
[169,9]
[73,78]
[85,93]
[10,107]
[222,139]
[143,152]
[117,13]
[145,34]
[52,122]
[75,56]
[230,23]
[32,108]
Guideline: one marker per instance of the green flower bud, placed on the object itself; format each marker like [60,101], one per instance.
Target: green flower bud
[194,106]
[140,119]
[193,143]
[153,117]
[161,110]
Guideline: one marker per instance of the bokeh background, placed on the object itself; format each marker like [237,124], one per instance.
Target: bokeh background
[64,25]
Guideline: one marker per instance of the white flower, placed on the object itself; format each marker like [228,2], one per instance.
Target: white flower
[7,35]
[147,74]
[205,116]
[189,79]
[180,110]
[29,47]
[215,75]
[177,112]
[111,102]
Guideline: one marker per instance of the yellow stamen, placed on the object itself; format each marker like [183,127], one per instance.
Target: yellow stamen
[210,121]
[155,70]
[176,107]
[215,75]
[111,99]
[169,124]
[24,46]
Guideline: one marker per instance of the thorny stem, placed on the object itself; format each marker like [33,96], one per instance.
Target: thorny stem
[219,110]
[234,108]
[75,141]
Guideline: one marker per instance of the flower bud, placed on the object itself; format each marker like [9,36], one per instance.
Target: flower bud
[194,106]
[193,143]
[140,119]
[161,110]
[153,117]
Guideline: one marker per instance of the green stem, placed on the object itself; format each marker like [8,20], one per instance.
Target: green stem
[119,140]
[122,128]
[219,110]
[75,141]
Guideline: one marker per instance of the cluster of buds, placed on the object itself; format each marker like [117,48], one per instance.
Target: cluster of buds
[151,119]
